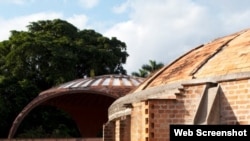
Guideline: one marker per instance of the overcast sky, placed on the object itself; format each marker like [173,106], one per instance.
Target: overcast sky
[159,30]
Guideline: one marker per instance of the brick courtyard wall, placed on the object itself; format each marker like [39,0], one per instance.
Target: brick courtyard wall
[109,131]
[235,102]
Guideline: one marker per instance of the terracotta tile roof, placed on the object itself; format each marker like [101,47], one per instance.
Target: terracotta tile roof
[225,55]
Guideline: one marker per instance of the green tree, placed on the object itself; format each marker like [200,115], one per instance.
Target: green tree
[140,73]
[148,69]
[51,52]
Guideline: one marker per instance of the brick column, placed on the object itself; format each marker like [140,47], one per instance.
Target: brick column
[138,126]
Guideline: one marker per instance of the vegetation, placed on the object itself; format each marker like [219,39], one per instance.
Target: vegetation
[51,52]
[148,69]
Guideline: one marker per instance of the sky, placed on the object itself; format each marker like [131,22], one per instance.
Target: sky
[159,30]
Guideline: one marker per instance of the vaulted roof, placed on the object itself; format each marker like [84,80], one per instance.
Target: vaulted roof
[223,59]
[86,96]
[222,56]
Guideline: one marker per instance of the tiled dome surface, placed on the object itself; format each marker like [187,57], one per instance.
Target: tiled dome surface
[223,56]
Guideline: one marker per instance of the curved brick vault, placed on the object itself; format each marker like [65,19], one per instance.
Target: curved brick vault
[86,100]
[225,58]
[209,84]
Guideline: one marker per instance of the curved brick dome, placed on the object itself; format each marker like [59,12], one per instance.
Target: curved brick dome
[86,96]
[225,58]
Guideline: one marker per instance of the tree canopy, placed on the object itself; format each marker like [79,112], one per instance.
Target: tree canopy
[51,52]
[55,51]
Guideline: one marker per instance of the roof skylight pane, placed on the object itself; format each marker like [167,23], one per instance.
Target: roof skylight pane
[106,81]
[126,82]
[86,84]
[96,82]
[116,82]
[80,83]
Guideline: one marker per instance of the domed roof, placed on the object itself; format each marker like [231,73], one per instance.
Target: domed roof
[222,56]
[113,84]
[223,59]
[80,95]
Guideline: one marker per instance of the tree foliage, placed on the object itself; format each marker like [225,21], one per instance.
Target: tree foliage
[56,51]
[148,69]
[51,52]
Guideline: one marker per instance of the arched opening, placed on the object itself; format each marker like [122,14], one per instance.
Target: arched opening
[77,115]
[89,111]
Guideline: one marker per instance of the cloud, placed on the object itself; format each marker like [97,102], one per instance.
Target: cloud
[80,21]
[157,30]
[88,3]
[20,23]
[162,30]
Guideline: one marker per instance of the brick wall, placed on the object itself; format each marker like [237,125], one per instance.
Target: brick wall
[119,130]
[159,114]
[187,105]
[235,102]
[125,127]
[150,119]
